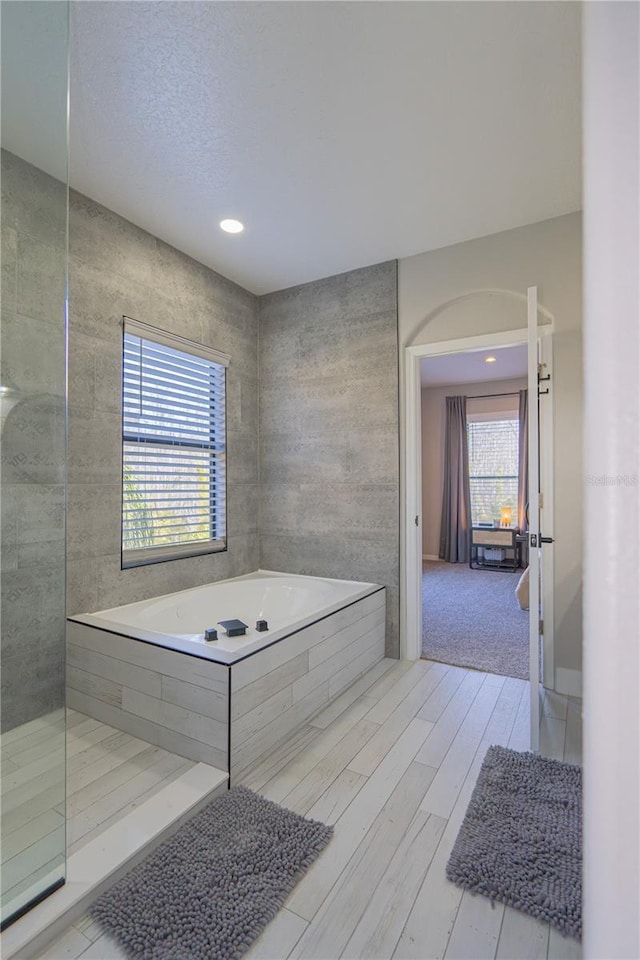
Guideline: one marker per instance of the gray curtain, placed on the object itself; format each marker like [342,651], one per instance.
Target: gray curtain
[455,525]
[523,461]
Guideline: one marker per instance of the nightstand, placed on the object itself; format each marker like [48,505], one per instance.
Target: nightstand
[494,548]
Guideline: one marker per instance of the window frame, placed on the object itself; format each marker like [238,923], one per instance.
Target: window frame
[143,556]
[493,417]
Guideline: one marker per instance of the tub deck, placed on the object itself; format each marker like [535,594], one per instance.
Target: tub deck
[178,621]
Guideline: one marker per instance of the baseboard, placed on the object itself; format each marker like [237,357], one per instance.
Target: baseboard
[569,682]
[429,556]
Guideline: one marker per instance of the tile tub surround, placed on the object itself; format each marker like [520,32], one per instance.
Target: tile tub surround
[277,690]
[172,700]
[329,437]
[184,703]
[117,269]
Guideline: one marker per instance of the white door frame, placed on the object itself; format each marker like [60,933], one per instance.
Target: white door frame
[411,612]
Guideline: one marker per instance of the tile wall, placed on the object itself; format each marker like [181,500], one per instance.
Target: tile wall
[314,373]
[34,220]
[329,496]
[117,269]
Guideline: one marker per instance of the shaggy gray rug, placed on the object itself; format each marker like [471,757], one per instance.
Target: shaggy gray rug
[521,838]
[471,618]
[209,891]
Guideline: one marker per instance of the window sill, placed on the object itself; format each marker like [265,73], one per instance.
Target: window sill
[142,558]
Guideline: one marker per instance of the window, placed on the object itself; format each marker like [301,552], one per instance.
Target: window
[493,468]
[173,447]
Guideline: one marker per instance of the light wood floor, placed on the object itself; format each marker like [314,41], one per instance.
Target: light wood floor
[392,764]
[109,773]
[33,788]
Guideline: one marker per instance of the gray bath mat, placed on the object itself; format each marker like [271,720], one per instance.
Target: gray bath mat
[521,838]
[209,891]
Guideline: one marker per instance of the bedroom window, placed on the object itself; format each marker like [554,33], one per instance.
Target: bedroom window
[173,447]
[493,468]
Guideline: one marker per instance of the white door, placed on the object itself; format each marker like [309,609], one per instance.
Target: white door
[535,544]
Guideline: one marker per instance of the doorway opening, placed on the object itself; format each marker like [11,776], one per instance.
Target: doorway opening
[474,445]
[538,337]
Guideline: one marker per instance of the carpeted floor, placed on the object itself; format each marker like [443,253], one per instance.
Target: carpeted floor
[521,838]
[471,618]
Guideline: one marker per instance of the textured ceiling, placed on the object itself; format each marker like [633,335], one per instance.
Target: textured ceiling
[470,367]
[342,134]
[34,82]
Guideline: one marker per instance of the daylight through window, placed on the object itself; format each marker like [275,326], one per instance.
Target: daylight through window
[173,447]
[493,468]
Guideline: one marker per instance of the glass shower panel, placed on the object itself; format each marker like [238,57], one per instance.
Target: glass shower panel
[33,335]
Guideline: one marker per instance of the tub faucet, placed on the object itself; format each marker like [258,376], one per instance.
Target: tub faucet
[234,628]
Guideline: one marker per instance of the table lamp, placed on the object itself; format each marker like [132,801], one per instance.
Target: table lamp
[505,517]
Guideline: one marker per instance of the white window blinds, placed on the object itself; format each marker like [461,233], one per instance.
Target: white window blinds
[173,447]
[493,468]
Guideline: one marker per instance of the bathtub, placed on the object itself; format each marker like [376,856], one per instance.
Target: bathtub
[178,620]
[147,668]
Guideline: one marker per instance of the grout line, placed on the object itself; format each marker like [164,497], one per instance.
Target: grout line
[322,759]
[453,925]
[420,885]
[504,913]
[513,722]
[321,731]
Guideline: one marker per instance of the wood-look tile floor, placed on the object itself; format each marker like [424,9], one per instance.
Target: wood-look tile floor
[32,769]
[392,764]
[108,774]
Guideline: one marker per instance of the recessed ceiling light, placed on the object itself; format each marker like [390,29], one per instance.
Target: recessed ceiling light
[490,359]
[231,226]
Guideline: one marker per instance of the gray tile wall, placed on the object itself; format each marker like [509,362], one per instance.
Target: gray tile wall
[326,476]
[329,431]
[117,269]
[33,441]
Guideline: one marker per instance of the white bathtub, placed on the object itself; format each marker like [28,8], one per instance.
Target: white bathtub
[146,668]
[178,620]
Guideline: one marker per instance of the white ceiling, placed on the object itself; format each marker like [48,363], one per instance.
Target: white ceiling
[342,134]
[452,368]
[34,82]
